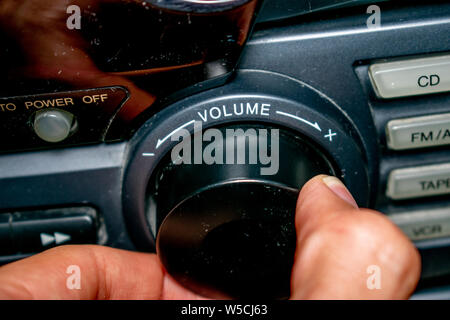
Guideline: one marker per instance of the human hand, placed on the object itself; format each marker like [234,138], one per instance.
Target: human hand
[336,243]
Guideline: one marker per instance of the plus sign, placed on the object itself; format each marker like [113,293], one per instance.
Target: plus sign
[330,135]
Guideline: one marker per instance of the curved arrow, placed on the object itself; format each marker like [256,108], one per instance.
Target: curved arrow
[314,125]
[161,141]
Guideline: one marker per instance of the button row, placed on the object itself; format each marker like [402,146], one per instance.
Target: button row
[411,77]
[37,231]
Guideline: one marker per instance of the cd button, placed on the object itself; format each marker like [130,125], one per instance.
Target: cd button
[411,77]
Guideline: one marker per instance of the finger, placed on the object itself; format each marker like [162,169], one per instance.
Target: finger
[174,291]
[105,273]
[316,197]
[348,253]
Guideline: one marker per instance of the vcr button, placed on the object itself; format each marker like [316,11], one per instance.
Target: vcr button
[38,231]
[419,132]
[411,77]
[426,224]
[419,182]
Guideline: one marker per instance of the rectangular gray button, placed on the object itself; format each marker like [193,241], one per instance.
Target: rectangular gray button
[422,225]
[420,132]
[410,77]
[419,182]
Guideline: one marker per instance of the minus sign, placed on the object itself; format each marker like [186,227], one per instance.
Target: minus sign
[148,154]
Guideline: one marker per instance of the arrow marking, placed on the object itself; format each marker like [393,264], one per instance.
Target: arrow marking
[314,125]
[47,239]
[161,141]
[61,237]
[57,238]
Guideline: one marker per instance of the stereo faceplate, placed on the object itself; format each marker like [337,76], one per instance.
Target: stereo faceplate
[309,76]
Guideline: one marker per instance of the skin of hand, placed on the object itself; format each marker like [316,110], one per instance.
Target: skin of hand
[336,244]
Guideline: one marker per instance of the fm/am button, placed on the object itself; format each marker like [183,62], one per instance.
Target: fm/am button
[419,182]
[418,132]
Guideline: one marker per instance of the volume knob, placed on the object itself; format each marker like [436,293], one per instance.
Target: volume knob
[228,230]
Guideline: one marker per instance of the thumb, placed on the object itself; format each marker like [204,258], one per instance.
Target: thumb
[348,253]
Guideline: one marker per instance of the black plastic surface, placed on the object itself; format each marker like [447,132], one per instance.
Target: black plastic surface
[152,48]
[5,234]
[273,10]
[330,55]
[226,221]
[93,111]
[234,242]
[35,231]
[67,178]
[286,97]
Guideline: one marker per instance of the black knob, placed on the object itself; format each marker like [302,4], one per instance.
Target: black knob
[227,229]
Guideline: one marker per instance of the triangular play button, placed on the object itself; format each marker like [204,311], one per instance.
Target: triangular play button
[47,239]
[61,237]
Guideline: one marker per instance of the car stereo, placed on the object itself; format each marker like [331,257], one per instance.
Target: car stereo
[187,127]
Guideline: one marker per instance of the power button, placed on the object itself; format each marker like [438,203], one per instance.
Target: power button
[53,125]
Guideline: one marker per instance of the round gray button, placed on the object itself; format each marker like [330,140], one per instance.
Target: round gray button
[53,125]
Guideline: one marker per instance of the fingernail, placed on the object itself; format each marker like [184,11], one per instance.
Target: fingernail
[340,190]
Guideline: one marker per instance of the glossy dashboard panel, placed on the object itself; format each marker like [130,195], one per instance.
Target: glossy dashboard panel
[329,52]
[140,52]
